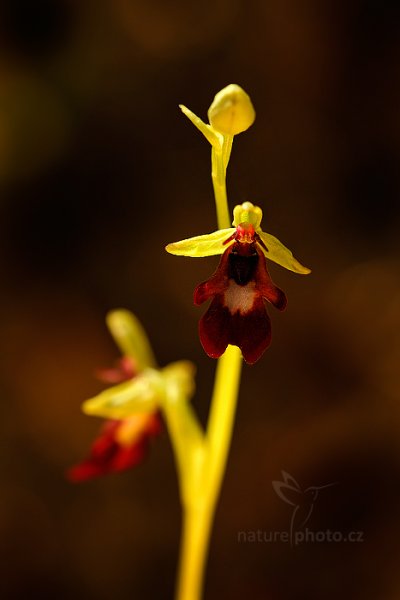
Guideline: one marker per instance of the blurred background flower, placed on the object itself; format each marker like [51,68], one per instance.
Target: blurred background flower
[94,154]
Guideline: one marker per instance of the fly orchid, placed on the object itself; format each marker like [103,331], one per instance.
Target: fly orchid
[236,324]
[121,444]
[241,283]
[132,407]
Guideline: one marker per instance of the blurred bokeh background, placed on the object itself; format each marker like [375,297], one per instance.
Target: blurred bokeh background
[98,171]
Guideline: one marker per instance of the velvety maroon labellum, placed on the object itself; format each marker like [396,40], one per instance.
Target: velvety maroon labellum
[108,454]
[238,288]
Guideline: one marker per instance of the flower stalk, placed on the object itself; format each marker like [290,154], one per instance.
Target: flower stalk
[199,510]
[219,162]
[199,507]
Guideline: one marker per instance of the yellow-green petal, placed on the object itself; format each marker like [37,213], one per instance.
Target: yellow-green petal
[281,255]
[212,136]
[142,394]
[210,244]
[131,338]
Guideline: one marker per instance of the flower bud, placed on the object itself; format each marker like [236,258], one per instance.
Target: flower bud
[231,111]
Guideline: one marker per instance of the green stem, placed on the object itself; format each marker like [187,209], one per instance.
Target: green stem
[221,420]
[200,504]
[194,547]
[187,439]
[219,162]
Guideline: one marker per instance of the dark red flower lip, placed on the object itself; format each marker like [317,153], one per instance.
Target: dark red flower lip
[109,453]
[237,313]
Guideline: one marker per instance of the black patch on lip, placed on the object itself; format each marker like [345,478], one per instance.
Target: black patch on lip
[242,268]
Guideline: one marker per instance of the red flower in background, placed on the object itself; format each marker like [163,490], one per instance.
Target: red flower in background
[121,444]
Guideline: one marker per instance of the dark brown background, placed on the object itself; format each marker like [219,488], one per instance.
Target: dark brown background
[98,171]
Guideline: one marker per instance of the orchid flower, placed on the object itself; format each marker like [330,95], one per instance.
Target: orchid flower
[241,283]
[132,407]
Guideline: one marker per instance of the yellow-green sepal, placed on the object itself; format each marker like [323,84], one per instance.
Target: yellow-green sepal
[142,394]
[210,244]
[281,255]
[179,380]
[131,338]
[209,133]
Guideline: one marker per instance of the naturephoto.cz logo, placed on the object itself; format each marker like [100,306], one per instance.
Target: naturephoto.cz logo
[303,503]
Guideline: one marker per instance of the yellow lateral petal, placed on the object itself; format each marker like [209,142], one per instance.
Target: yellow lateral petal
[281,255]
[210,244]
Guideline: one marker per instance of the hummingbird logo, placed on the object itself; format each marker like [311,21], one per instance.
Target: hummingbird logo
[290,491]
